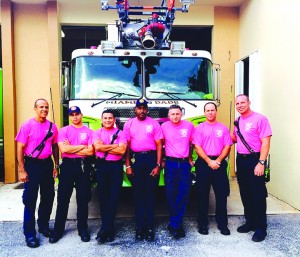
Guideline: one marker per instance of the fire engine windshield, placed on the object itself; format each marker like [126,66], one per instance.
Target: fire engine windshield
[95,77]
[183,77]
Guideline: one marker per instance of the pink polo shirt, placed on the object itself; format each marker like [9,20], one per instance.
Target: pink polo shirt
[212,137]
[105,135]
[142,134]
[178,138]
[75,136]
[253,128]
[32,133]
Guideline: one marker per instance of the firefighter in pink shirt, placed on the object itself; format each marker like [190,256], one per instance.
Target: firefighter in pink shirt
[178,162]
[110,145]
[256,130]
[143,163]
[75,144]
[212,143]
[36,143]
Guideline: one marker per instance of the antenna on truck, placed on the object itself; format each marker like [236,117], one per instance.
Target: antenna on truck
[52,105]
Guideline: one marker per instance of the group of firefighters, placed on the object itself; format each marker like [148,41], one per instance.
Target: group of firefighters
[147,147]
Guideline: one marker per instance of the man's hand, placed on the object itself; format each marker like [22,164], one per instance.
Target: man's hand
[155,172]
[192,163]
[259,169]
[129,172]
[23,176]
[55,173]
[214,164]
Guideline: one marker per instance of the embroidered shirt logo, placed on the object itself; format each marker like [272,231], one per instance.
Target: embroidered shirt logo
[248,126]
[83,136]
[219,132]
[149,128]
[183,132]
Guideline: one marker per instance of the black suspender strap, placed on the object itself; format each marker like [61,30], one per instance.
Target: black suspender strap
[41,146]
[236,123]
[114,137]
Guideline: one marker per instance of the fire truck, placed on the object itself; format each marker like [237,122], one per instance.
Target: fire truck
[141,62]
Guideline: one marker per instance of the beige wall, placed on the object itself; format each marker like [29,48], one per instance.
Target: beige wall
[77,14]
[273,28]
[9,90]
[34,52]
[225,53]
[32,65]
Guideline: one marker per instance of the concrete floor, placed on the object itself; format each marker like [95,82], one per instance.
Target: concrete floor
[12,208]
[282,240]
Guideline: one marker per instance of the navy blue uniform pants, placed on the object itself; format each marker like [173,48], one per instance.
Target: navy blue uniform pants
[205,178]
[253,191]
[144,188]
[40,175]
[109,183]
[74,172]
[177,185]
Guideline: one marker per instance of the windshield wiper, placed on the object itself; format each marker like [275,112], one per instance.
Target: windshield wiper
[117,94]
[173,96]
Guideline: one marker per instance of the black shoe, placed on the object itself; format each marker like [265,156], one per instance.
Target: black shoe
[110,237]
[181,232]
[224,231]
[174,232]
[139,234]
[245,228]
[203,230]
[259,235]
[101,236]
[84,235]
[47,232]
[150,235]
[32,242]
[54,238]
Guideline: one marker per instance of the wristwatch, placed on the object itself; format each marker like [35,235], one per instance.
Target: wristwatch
[262,162]
[158,165]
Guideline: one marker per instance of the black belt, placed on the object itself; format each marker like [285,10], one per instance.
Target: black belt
[36,159]
[212,157]
[177,159]
[246,156]
[144,152]
[74,160]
